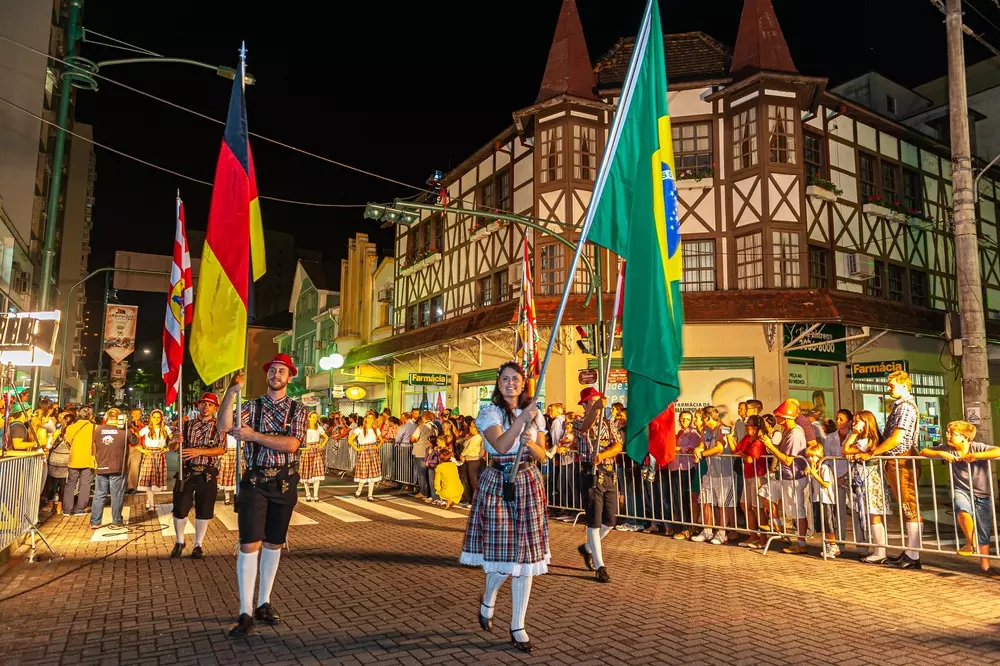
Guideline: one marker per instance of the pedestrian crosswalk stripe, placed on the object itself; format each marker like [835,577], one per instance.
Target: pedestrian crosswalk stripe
[379,508]
[337,512]
[301,519]
[225,515]
[433,510]
[108,534]
[165,516]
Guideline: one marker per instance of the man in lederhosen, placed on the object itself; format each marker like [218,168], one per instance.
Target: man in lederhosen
[598,479]
[202,445]
[273,428]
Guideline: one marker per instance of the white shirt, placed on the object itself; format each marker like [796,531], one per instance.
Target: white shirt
[491,415]
[365,437]
[150,443]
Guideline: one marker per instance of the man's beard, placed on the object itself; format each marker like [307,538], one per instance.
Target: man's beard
[276,383]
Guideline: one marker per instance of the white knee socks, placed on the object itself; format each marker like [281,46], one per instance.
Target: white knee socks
[305,484]
[913,540]
[371,488]
[520,592]
[179,525]
[268,568]
[315,489]
[878,537]
[150,498]
[489,602]
[594,537]
[200,527]
[246,576]
[360,486]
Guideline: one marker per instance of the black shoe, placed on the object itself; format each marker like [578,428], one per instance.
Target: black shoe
[588,559]
[894,558]
[523,647]
[603,576]
[178,549]
[905,562]
[197,553]
[877,562]
[244,627]
[267,615]
[485,622]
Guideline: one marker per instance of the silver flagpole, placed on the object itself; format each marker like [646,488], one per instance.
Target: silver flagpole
[602,176]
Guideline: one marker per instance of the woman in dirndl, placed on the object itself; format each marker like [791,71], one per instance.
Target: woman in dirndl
[312,461]
[509,539]
[227,470]
[153,440]
[368,467]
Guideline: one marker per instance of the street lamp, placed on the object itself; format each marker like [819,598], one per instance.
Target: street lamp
[146,351]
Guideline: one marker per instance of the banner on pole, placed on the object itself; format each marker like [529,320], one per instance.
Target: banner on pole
[118,371]
[119,330]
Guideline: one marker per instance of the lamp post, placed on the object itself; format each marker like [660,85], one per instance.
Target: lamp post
[79,72]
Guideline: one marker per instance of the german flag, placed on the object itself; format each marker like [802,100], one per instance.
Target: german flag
[233,252]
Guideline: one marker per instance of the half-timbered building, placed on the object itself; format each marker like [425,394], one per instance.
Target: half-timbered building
[817,238]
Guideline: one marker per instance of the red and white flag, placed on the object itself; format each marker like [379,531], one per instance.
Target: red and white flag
[527,340]
[180,309]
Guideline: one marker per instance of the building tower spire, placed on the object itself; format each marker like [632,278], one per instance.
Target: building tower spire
[760,44]
[568,70]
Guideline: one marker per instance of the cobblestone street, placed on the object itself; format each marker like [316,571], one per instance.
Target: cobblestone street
[380,584]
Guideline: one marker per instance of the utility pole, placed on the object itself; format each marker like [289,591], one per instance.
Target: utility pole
[975,363]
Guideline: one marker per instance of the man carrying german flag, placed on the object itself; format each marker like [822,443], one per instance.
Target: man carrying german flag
[273,426]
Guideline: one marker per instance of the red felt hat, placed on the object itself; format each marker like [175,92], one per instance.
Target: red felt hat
[789,409]
[588,393]
[210,398]
[282,359]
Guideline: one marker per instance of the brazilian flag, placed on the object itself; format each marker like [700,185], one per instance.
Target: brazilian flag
[633,213]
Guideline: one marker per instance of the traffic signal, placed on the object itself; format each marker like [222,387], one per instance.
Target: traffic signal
[586,341]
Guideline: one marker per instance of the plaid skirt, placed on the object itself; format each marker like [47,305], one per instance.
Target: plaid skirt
[153,472]
[312,464]
[369,464]
[508,538]
[227,470]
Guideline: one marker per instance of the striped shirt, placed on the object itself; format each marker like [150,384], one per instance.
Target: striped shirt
[201,434]
[273,418]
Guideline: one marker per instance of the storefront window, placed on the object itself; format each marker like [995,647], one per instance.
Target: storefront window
[928,390]
[813,385]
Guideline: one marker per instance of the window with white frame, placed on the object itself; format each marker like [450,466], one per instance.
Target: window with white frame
[550,278]
[698,258]
[781,133]
[750,261]
[785,245]
[551,145]
[745,139]
[584,152]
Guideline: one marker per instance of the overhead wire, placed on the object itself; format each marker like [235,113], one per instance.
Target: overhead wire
[134,47]
[163,168]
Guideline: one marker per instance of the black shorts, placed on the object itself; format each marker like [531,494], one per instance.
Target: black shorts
[265,508]
[199,491]
[602,498]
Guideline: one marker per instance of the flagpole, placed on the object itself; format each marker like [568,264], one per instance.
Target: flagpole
[180,370]
[238,419]
[614,325]
[588,221]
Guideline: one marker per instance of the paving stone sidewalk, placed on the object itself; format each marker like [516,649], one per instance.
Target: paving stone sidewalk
[384,590]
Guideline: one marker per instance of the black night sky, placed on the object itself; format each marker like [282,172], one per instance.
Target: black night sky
[400,89]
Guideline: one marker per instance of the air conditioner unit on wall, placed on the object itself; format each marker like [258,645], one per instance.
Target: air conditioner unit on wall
[860,266]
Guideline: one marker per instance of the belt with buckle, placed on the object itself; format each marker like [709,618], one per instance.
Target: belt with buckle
[506,466]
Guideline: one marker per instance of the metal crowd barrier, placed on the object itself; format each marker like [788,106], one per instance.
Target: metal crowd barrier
[21,479]
[863,496]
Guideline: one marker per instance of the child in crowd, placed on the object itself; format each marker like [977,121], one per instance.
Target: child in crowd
[447,484]
[752,450]
[431,460]
[823,493]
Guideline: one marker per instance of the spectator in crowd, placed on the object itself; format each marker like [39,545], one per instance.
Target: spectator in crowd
[793,481]
[447,484]
[823,493]
[421,440]
[683,501]
[972,488]
[718,489]
[871,500]
[833,446]
[752,449]
[472,453]
[58,464]
[80,477]
[431,460]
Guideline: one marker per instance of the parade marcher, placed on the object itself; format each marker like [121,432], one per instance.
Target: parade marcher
[227,470]
[312,460]
[202,445]
[273,428]
[134,455]
[509,538]
[368,466]
[598,478]
[153,441]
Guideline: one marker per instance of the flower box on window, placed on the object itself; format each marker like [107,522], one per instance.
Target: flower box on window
[420,263]
[694,184]
[480,231]
[700,178]
[817,192]
[882,211]
[920,222]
